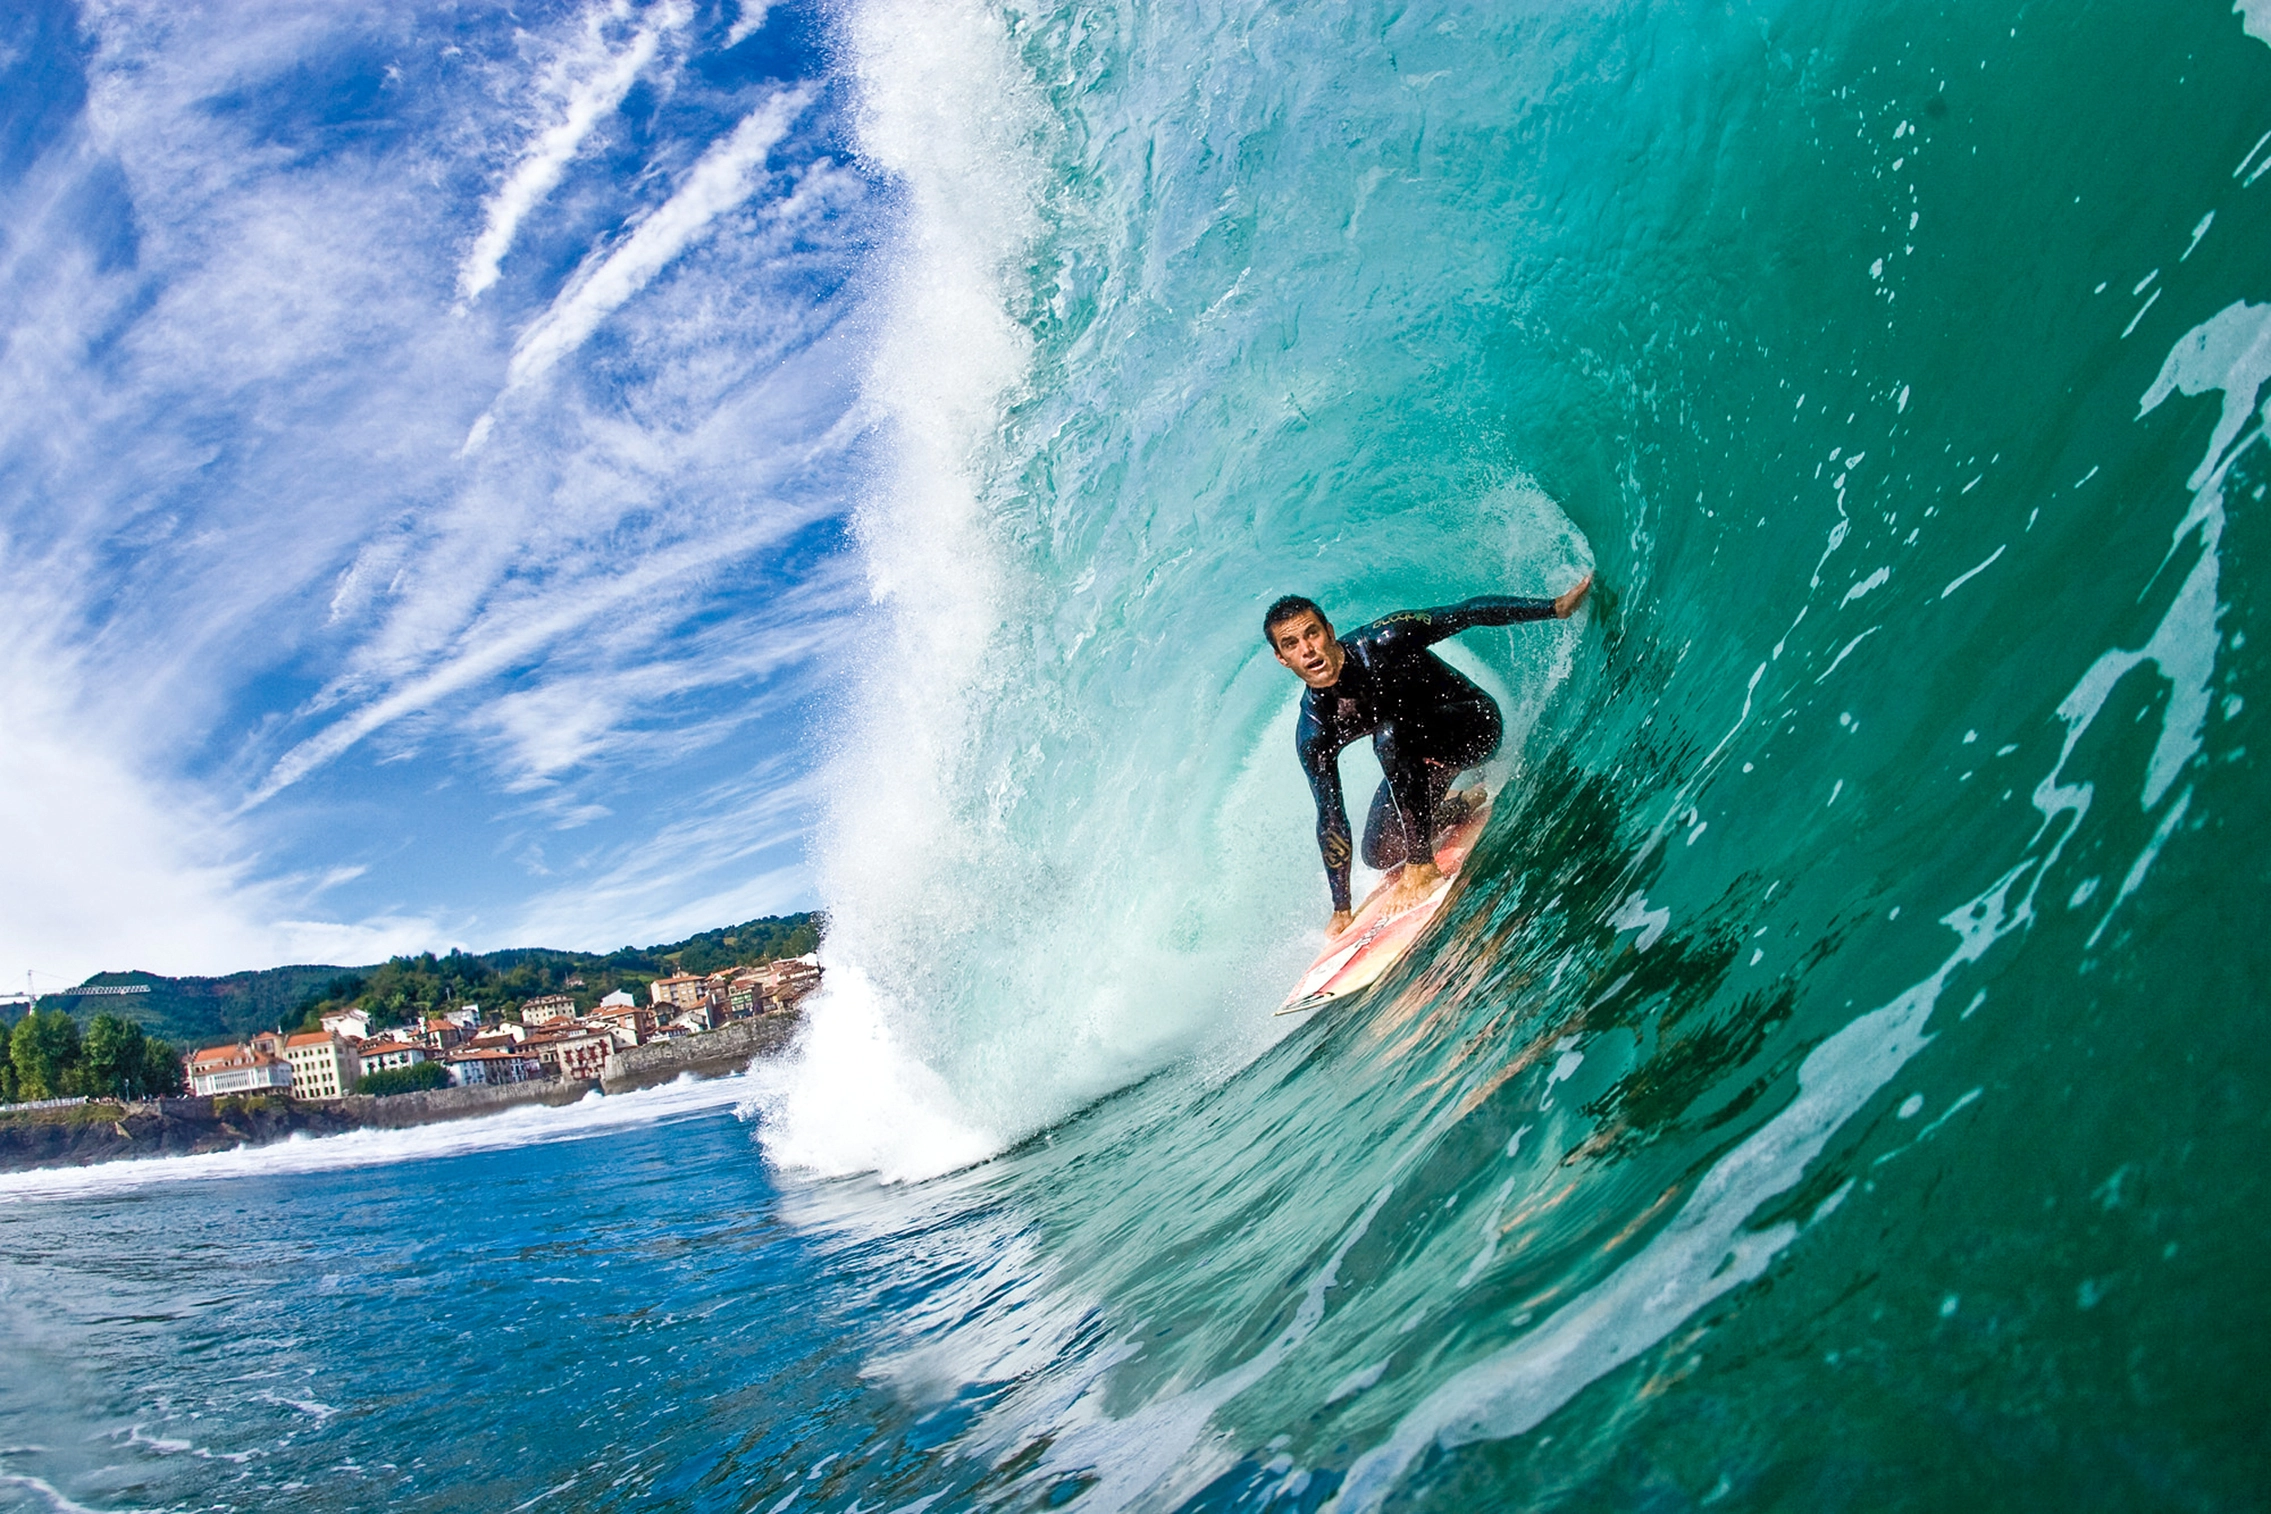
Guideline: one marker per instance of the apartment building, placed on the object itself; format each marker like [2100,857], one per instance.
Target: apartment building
[745,996]
[441,1034]
[490,1066]
[680,990]
[544,1010]
[573,1054]
[323,1065]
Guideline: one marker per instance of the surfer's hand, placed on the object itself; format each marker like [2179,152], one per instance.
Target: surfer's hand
[1566,605]
[1340,922]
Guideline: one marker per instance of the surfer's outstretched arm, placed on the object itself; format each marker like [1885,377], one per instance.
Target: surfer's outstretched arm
[1409,630]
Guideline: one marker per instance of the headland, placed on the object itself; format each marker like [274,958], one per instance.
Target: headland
[81,1132]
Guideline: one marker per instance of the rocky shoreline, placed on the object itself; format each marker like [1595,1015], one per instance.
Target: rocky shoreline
[84,1134]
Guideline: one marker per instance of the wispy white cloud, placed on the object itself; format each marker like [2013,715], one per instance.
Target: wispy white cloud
[748,21]
[233,510]
[515,632]
[588,710]
[724,177]
[585,84]
[734,853]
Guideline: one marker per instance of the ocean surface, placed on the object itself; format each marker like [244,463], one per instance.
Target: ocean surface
[1840,1081]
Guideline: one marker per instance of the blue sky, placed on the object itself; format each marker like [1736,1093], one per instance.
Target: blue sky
[425,448]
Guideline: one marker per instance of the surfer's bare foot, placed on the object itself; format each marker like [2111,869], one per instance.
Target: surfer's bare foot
[1411,883]
[1565,605]
[1341,920]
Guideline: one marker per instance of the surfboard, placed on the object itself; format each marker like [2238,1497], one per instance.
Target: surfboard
[1357,957]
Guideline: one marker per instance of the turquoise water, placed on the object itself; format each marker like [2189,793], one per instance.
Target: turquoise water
[1838,1082]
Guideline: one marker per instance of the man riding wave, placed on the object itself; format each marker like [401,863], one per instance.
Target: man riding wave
[1427,723]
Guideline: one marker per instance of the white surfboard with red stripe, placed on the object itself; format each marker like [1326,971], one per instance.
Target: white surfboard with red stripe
[1357,957]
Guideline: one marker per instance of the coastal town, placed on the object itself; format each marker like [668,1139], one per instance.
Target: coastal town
[542,1038]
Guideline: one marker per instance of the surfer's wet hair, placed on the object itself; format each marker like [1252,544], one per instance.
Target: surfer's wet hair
[1291,607]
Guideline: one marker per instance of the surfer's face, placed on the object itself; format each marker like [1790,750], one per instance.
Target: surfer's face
[1306,644]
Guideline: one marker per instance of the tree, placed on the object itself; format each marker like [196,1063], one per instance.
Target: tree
[110,1058]
[163,1076]
[45,1051]
[409,1079]
[119,1060]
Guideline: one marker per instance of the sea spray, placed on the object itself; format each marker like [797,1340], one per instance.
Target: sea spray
[944,108]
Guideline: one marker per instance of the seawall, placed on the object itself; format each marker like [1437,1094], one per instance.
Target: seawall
[713,1055]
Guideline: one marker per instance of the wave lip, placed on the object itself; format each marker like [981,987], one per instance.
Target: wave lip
[945,109]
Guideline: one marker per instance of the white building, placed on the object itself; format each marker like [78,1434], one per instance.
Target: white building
[383,1056]
[237,1069]
[487,1066]
[354,1024]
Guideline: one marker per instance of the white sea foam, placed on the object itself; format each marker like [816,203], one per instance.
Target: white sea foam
[2228,354]
[523,1125]
[849,1098]
[2255,18]
[52,1496]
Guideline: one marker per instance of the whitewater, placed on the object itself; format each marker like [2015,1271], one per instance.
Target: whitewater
[1838,1078]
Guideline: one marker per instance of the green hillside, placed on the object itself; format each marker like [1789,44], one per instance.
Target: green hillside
[200,1011]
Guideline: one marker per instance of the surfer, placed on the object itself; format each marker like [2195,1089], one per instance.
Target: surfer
[1427,723]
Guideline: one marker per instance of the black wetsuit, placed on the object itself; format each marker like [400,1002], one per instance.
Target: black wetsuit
[1426,722]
